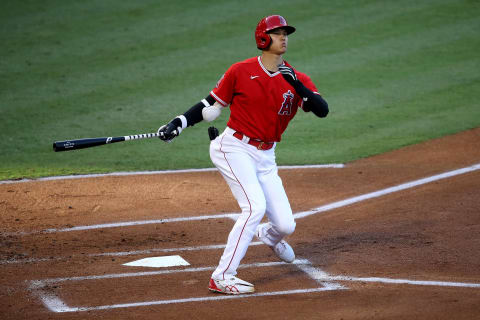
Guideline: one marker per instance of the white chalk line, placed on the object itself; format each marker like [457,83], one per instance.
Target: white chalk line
[140,173]
[125,253]
[197,248]
[320,276]
[324,278]
[401,281]
[139,223]
[39,283]
[298,215]
[31,260]
[386,191]
[232,216]
[55,304]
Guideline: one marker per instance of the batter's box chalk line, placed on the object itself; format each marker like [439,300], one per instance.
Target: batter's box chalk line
[326,281]
[298,215]
[54,303]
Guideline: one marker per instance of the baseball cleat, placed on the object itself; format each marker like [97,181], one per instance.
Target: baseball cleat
[284,251]
[233,285]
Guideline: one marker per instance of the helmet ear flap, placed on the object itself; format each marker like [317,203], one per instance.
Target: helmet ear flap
[261,37]
[265,41]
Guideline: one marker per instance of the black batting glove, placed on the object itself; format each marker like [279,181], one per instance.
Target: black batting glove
[289,75]
[311,102]
[170,131]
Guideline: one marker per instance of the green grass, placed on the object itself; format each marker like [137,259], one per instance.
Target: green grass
[394,73]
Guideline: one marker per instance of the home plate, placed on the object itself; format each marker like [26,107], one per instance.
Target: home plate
[159,262]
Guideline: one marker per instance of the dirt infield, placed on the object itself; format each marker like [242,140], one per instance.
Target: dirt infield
[373,241]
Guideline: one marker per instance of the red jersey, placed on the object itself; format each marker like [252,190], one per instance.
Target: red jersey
[261,103]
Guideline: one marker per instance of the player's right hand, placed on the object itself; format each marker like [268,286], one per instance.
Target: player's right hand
[169,131]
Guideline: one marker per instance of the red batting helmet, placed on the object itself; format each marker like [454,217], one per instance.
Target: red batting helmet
[268,24]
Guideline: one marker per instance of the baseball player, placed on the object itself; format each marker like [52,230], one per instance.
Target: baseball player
[264,94]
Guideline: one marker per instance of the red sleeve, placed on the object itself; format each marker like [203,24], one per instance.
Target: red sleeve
[223,91]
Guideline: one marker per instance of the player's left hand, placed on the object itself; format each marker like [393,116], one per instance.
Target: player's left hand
[169,131]
[288,74]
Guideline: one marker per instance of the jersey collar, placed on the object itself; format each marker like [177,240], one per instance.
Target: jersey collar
[265,69]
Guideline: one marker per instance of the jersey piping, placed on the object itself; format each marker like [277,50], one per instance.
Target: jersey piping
[271,75]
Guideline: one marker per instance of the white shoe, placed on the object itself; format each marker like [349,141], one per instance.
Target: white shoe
[282,249]
[233,285]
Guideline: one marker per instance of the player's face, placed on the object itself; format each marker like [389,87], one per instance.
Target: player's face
[279,41]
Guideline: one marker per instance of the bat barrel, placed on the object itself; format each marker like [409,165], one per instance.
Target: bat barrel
[93,142]
[79,144]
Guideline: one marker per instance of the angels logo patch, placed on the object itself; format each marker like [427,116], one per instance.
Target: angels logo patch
[286,108]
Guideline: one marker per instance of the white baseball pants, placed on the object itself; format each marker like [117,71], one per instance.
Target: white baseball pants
[252,176]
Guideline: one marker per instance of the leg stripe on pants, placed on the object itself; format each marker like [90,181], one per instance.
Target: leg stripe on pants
[225,156]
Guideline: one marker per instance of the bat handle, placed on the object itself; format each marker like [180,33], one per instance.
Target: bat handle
[141,136]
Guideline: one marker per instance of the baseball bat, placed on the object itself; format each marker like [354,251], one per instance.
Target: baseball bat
[68,145]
